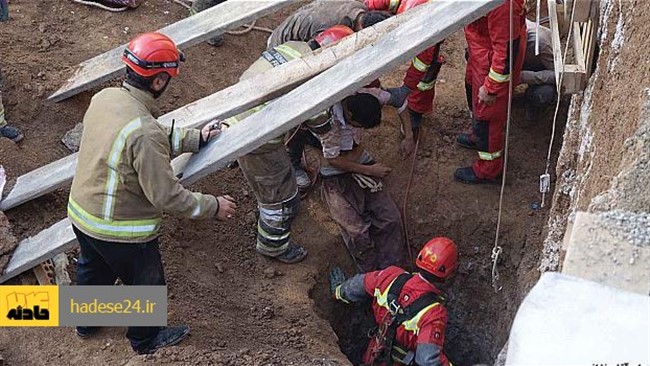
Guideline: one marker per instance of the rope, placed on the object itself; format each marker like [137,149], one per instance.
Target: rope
[101,6]
[179,2]
[249,28]
[406,197]
[496,250]
[557,104]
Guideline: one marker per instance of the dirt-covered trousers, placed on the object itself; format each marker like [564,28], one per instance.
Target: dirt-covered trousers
[269,172]
[200,5]
[370,223]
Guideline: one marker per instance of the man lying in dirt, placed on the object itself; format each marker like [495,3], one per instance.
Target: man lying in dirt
[124,182]
[408,308]
[370,221]
[305,24]
[7,131]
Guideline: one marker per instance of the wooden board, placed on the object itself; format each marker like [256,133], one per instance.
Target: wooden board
[185,33]
[397,47]
[32,251]
[41,181]
[225,103]
[334,84]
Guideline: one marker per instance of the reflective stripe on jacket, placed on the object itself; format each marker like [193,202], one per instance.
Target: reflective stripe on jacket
[274,57]
[427,327]
[123,179]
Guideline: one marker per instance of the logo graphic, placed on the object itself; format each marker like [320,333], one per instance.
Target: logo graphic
[29,305]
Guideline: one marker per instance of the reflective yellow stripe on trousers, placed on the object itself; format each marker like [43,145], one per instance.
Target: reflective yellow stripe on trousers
[484,155]
[127,229]
[419,65]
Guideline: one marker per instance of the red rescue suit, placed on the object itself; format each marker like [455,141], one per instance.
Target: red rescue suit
[421,79]
[488,66]
[422,74]
[426,328]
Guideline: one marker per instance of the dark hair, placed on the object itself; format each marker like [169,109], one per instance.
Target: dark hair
[431,277]
[373,17]
[138,81]
[364,108]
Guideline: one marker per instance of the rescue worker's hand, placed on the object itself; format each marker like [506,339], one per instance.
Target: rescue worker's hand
[407,146]
[227,207]
[212,130]
[378,170]
[484,97]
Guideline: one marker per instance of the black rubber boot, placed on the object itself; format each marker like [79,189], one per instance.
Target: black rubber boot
[465,140]
[466,175]
[215,41]
[85,332]
[12,133]
[166,337]
[294,254]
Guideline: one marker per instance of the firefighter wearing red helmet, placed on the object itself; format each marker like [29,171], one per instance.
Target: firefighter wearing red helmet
[488,77]
[408,308]
[268,169]
[419,83]
[124,182]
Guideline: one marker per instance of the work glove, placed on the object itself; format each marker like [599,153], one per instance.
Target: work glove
[398,96]
[336,278]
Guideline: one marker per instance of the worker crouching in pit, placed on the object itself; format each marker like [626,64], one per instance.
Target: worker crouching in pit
[124,181]
[408,308]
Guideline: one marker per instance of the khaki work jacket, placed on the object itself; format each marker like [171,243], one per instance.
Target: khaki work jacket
[123,180]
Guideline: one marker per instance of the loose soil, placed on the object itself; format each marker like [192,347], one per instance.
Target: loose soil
[244,309]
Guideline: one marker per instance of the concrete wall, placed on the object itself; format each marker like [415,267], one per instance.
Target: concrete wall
[604,163]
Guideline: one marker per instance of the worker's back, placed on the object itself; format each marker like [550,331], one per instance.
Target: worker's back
[106,200]
[429,323]
[316,17]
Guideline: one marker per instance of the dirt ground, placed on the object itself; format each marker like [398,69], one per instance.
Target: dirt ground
[254,311]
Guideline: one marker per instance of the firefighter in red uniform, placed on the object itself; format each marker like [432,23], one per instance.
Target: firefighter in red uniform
[419,82]
[408,308]
[488,72]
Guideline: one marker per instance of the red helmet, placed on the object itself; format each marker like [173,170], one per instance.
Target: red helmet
[439,257]
[409,4]
[152,53]
[382,5]
[332,35]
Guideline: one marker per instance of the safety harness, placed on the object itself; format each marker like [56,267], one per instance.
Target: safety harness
[385,335]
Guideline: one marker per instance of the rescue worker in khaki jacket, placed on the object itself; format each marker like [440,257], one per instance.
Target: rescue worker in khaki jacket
[408,308]
[124,182]
[268,169]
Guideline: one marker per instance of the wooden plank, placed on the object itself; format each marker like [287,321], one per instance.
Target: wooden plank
[46,244]
[334,84]
[578,49]
[185,33]
[286,112]
[225,103]
[555,40]
[583,11]
[41,181]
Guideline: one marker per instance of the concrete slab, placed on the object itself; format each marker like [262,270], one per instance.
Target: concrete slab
[611,248]
[570,321]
